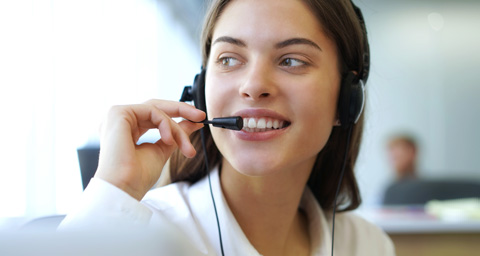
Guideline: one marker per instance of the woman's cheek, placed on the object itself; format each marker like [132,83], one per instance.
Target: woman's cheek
[214,98]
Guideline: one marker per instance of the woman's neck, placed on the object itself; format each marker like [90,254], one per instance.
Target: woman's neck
[266,208]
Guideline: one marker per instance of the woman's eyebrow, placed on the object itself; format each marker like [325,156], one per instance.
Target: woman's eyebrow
[230,40]
[293,41]
[283,44]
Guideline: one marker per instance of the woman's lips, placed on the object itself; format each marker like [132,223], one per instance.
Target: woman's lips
[249,134]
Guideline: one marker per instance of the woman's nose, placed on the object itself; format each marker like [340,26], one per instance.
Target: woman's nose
[258,82]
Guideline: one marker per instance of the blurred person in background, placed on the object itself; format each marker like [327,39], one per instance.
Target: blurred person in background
[406,188]
[402,155]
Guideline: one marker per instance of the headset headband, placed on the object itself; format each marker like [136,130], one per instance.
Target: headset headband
[363,74]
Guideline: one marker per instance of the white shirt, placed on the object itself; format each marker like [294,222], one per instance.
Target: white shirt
[189,208]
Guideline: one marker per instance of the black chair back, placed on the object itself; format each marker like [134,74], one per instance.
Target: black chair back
[88,159]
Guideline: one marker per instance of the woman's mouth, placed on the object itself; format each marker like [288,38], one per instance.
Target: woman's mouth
[263,124]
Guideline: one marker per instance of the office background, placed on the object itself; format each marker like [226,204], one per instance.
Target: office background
[63,63]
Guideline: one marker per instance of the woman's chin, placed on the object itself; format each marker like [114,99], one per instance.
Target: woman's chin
[255,168]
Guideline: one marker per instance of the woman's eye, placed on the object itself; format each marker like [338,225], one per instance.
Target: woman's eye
[228,61]
[290,62]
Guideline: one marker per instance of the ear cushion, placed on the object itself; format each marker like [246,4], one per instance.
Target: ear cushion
[351,99]
[198,91]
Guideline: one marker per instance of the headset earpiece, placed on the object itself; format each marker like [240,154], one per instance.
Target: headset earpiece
[351,99]
[199,91]
[196,93]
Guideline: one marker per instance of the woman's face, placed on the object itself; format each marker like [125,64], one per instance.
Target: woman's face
[271,63]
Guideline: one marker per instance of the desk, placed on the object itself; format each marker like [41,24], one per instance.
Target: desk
[416,233]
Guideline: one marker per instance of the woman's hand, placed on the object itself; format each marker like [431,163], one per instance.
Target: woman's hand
[135,168]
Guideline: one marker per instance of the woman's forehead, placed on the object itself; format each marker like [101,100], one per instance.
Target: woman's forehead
[267,20]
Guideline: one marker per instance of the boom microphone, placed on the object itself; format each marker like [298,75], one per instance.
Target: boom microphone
[232,122]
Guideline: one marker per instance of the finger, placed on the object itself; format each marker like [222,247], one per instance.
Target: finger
[183,141]
[178,109]
[171,132]
[187,126]
[144,117]
[190,127]
[165,129]
[180,133]
[150,115]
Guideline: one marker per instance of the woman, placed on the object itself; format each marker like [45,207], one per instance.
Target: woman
[279,65]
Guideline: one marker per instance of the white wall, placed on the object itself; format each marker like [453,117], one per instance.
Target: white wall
[424,80]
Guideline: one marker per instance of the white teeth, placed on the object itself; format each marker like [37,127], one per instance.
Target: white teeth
[276,124]
[269,124]
[251,123]
[262,123]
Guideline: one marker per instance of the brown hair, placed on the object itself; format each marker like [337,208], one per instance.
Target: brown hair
[341,25]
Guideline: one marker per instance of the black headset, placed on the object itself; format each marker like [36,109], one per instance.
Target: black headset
[351,98]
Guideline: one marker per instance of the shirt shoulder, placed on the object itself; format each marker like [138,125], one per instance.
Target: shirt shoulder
[169,197]
[360,237]
[180,204]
